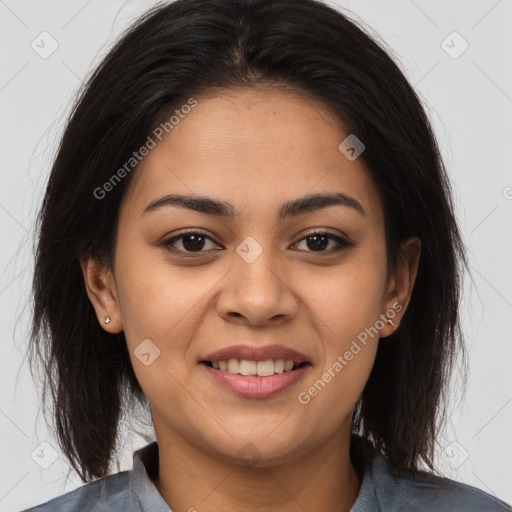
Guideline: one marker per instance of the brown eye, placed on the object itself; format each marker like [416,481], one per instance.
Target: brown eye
[190,242]
[319,241]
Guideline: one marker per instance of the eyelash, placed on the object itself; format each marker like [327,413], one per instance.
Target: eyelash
[342,242]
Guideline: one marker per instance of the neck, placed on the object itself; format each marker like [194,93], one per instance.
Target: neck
[192,479]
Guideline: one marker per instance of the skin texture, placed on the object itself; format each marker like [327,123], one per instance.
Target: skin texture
[255,149]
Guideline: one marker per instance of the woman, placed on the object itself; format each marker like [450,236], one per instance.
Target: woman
[249,229]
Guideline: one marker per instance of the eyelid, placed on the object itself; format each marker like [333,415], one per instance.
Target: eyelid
[342,241]
[168,242]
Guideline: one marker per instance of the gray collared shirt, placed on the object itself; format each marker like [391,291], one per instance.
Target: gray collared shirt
[134,490]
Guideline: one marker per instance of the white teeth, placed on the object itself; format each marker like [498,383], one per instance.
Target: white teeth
[265,368]
[233,365]
[260,368]
[279,365]
[247,367]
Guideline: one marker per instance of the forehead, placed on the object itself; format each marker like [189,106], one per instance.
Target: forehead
[252,147]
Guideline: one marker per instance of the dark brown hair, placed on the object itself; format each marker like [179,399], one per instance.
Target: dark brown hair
[188,47]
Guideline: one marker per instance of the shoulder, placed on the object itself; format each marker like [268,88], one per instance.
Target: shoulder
[431,492]
[112,491]
[426,492]
[129,490]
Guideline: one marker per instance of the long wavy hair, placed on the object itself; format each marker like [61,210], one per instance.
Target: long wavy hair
[192,47]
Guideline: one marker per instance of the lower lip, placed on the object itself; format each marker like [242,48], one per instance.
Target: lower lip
[256,387]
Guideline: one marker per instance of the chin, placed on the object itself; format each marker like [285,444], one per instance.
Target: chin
[264,453]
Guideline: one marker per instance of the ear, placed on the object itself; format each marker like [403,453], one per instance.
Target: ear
[399,289]
[101,290]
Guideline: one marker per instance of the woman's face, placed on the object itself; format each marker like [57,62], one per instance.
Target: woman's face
[256,278]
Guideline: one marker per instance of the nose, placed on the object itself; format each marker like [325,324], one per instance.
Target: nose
[257,292]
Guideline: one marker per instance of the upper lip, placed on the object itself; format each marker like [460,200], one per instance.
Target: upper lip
[256,353]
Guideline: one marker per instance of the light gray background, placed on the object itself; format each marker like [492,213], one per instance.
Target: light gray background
[469,100]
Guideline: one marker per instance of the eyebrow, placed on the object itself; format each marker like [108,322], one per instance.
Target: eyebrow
[293,208]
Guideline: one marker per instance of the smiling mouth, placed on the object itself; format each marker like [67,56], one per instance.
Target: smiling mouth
[248,368]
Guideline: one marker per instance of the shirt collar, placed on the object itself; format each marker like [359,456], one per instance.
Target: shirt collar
[145,469]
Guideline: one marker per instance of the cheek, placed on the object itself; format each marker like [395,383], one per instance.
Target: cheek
[349,299]
[349,340]
[154,296]
[166,305]
[159,314]
[347,306]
